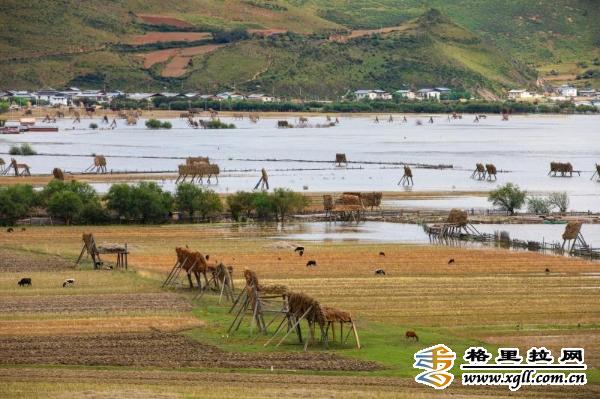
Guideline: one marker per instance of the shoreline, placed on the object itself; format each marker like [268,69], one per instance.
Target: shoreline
[173,114]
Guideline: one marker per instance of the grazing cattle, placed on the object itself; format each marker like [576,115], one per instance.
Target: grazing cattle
[301,253]
[68,282]
[24,281]
[381,253]
[311,263]
[299,249]
[411,334]
[547,270]
[10,230]
[380,272]
[451,261]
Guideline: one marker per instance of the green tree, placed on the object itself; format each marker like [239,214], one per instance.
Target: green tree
[240,205]
[3,107]
[16,202]
[286,202]
[185,198]
[66,205]
[208,204]
[264,205]
[151,203]
[119,200]
[508,197]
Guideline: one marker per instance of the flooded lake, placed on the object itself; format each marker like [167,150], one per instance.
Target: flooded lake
[523,147]
[403,233]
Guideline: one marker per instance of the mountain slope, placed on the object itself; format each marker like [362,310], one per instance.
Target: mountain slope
[477,45]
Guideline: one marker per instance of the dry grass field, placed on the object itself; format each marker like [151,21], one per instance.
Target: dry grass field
[492,297]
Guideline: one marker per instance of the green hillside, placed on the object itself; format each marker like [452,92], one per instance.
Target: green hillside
[481,45]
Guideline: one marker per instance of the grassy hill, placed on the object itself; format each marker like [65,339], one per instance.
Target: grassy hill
[482,45]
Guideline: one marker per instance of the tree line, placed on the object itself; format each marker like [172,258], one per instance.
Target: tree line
[77,202]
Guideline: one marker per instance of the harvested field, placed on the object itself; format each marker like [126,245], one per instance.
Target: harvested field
[159,350]
[19,261]
[164,20]
[158,37]
[29,382]
[553,340]
[177,55]
[176,67]
[157,57]
[97,325]
[108,303]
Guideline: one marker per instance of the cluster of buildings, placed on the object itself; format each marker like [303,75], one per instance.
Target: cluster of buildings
[590,97]
[422,94]
[74,95]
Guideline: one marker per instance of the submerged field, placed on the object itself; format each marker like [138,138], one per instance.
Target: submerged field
[487,297]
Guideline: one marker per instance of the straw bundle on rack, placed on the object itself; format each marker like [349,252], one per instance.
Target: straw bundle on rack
[333,314]
[572,230]
[456,216]
[58,174]
[300,304]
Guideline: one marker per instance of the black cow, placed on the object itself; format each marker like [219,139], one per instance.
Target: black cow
[380,272]
[311,263]
[451,261]
[24,281]
[68,282]
[382,254]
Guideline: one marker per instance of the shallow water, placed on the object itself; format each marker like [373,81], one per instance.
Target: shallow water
[403,233]
[523,146]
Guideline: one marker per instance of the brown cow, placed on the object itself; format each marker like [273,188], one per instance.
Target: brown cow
[411,334]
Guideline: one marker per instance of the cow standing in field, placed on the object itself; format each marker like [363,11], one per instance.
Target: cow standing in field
[25,281]
[411,334]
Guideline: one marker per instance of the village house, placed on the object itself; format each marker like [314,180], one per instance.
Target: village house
[428,94]
[51,96]
[229,95]
[261,97]
[409,94]
[587,93]
[372,95]
[567,91]
[519,94]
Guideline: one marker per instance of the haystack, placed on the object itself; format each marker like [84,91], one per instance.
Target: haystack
[479,172]
[58,174]
[572,230]
[340,159]
[193,160]
[407,178]
[458,217]
[563,168]
[573,236]
[372,200]
[99,165]
[490,169]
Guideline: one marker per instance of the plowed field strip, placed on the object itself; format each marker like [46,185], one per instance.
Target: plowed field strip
[162,350]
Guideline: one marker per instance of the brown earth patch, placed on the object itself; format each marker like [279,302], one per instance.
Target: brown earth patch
[366,32]
[176,67]
[18,261]
[156,57]
[107,303]
[179,58]
[159,350]
[162,20]
[157,37]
